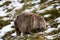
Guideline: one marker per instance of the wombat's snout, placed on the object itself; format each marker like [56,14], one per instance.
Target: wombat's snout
[41,28]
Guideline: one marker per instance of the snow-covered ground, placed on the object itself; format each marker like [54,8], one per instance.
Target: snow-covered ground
[3,12]
[6,29]
[46,15]
[57,20]
[16,5]
[43,10]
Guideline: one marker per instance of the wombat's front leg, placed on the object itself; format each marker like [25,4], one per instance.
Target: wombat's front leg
[17,31]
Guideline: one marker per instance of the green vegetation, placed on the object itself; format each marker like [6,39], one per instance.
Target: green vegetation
[8,34]
[6,3]
[31,37]
[58,38]
[54,13]
[4,23]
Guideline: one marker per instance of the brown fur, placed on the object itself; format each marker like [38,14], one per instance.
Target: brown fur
[29,23]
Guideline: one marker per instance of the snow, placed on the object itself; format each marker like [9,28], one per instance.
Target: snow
[36,6]
[57,20]
[6,29]
[1,39]
[49,37]
[46,15]
[14,34]
[57,7]
[48,1]
[58,27]
[2,2]
[32,8]
[59,34]
[35,1]
[43,10]
[2,13]
[49,26]
[53,36]
[6,18]
[15,4]
[27,10]
[50,30]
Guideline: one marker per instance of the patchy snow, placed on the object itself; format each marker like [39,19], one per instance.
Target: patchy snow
[53,36]
[59,34]
[35,1]
[58,27]
[1,39]
[48,24]
[2,2]
[49,37]
[28,10]
[15,4]
[3,8]
[57,7]
[43,10]
[14,34]
[6,18]
[2,13]
[50,30]
[57,20]
[48,1]
[36,7]
[46,15]
[6,29]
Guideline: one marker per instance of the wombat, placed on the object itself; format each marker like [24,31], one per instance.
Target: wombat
[29,23]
